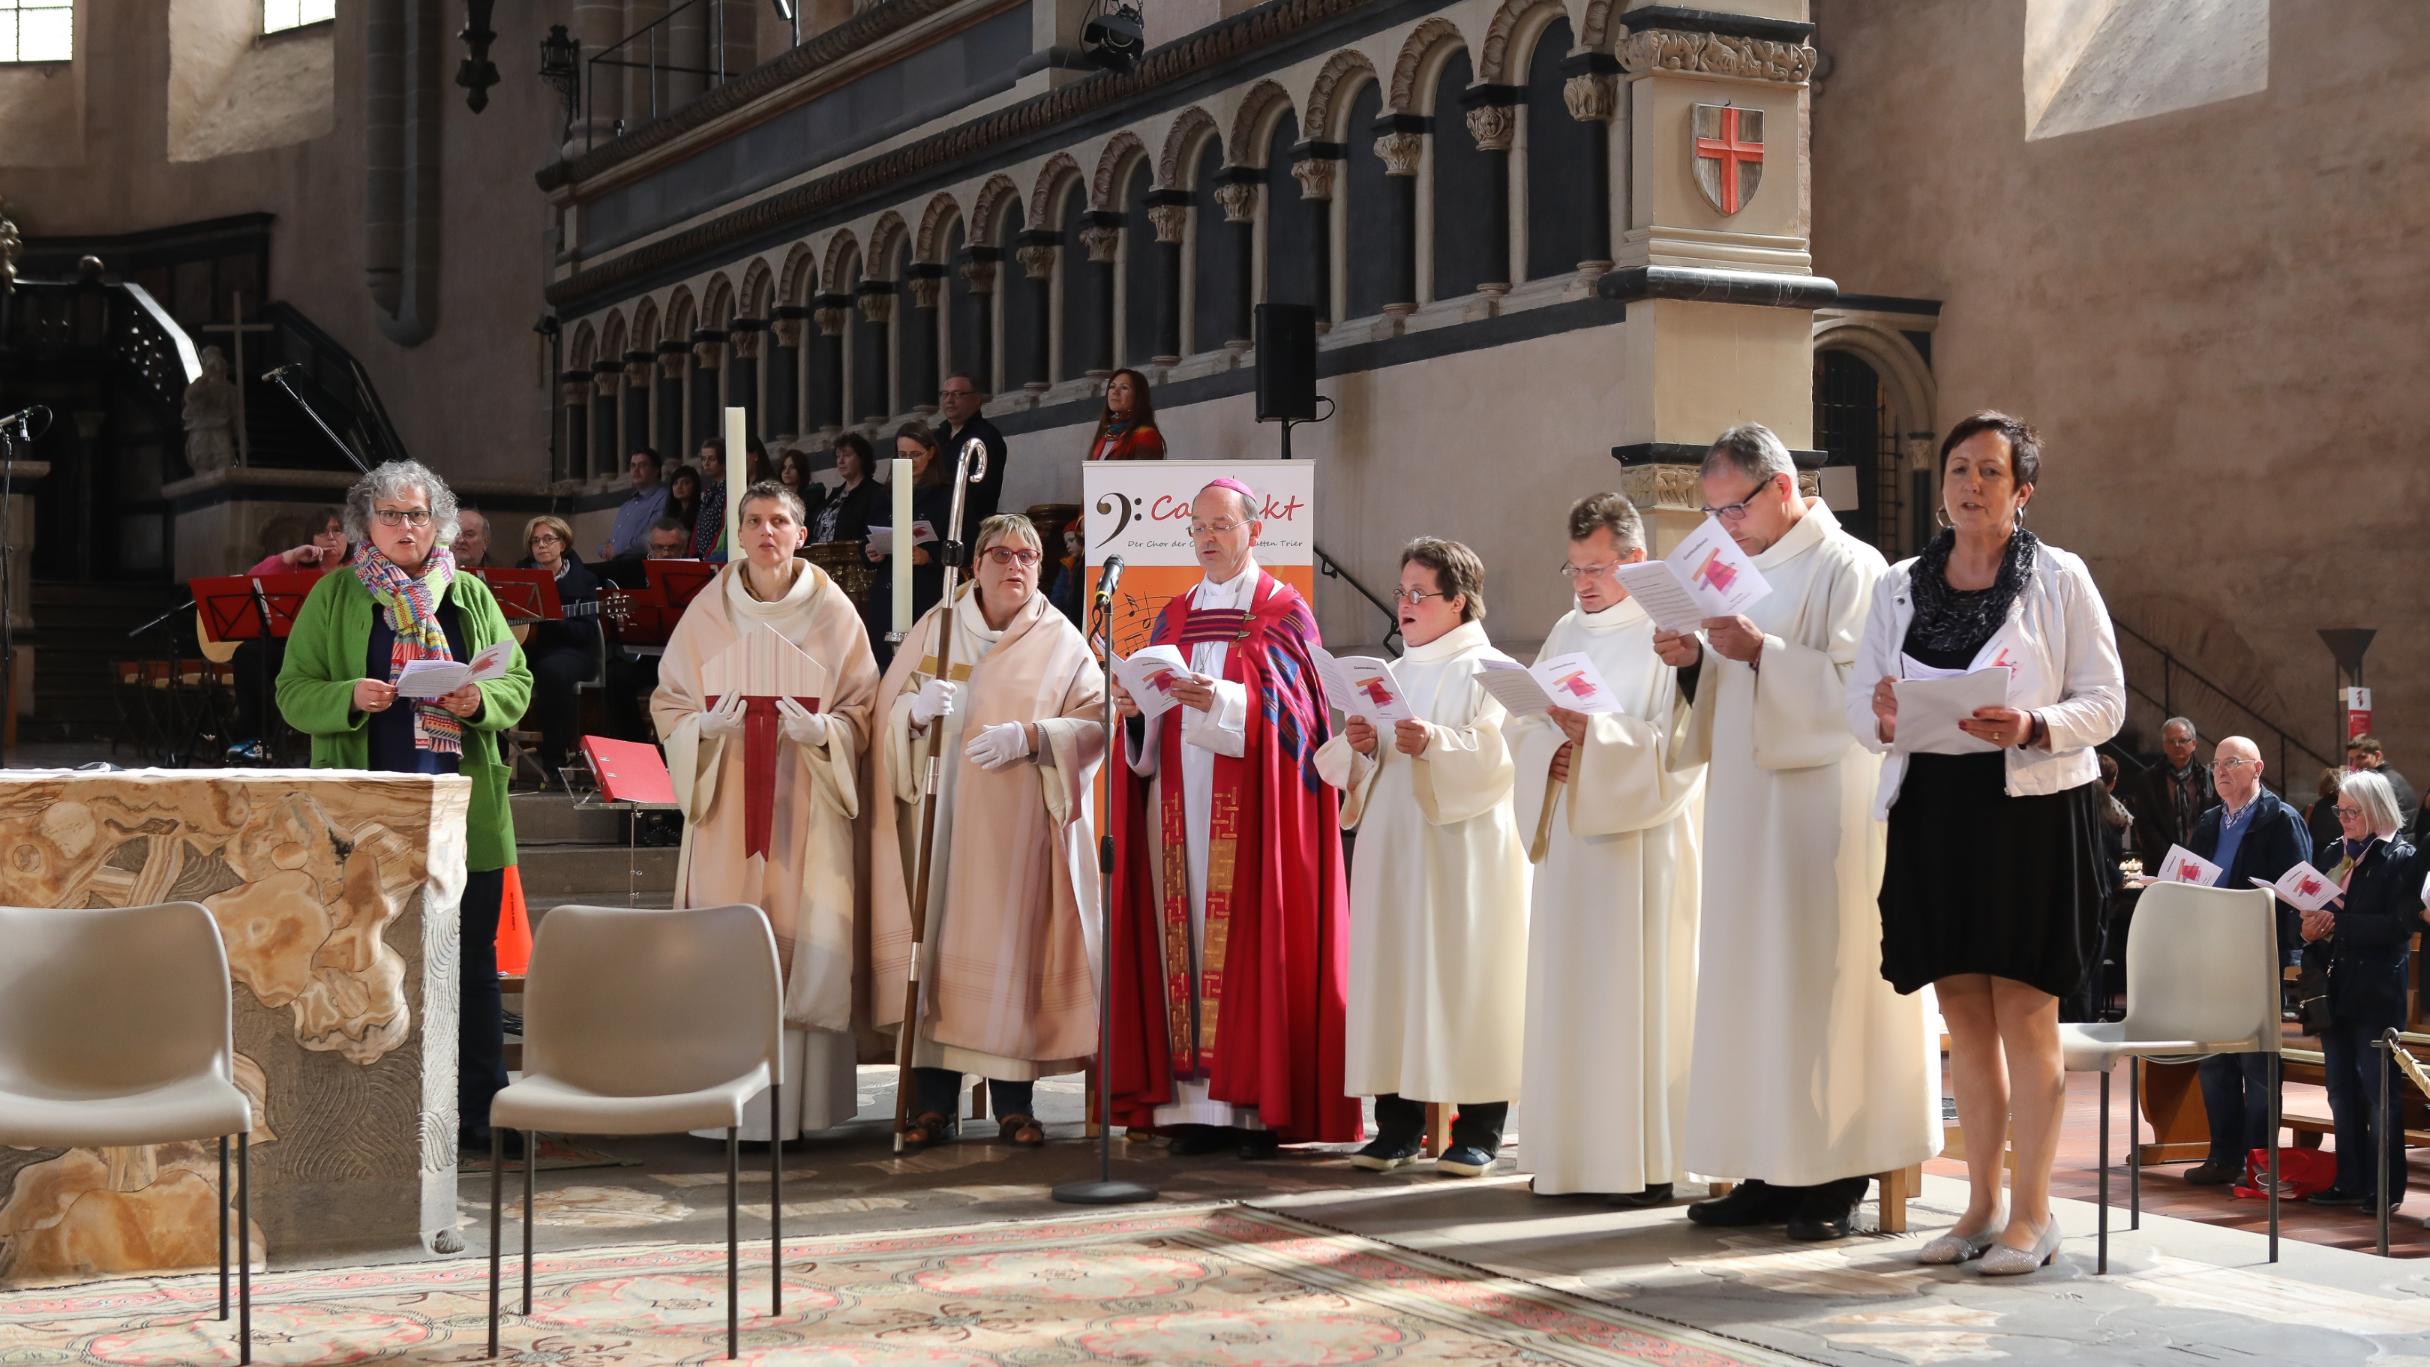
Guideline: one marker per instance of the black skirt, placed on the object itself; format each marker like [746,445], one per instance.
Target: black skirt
[1977,881]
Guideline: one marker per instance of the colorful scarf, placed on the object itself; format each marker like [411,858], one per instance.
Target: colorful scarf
[412,606]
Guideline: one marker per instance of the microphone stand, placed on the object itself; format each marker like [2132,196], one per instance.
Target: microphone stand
[279,377]
[8,587]
[1105,1190]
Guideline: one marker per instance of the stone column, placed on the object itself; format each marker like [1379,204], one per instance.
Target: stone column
[784,369]
[640,384]
[743,373]
[607,442]
[598,25]
[1491,112]
[573,423]
[926,284]
[978,269]
[1592,94]
[1401,146]
[1102,241]
[705,416]
[1316,166]
[873,384]
[645,92]
[1036,249]
[1169,214]
[1238,196]
[827,363]
[1720,305]
[667,414]
[686,48]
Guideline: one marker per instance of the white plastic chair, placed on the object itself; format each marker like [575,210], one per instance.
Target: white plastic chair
[115,1030]
[2201,979]
[647,1022]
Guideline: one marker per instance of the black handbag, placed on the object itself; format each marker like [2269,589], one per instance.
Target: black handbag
[2312,999]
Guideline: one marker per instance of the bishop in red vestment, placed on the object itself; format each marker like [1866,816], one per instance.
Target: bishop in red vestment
[1231,912]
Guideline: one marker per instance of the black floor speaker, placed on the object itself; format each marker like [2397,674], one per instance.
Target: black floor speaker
[1286,363]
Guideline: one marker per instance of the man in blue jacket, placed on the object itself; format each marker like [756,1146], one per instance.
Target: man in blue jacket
[2250,834]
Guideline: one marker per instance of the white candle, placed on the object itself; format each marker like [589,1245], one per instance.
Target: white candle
[738,477]
[900,480]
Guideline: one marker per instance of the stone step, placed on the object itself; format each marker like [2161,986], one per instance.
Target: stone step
[555,819]
[554,872]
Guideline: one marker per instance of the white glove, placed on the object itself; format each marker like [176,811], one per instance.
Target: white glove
[725,719]
[934,700]
[802,726]
[1006,742]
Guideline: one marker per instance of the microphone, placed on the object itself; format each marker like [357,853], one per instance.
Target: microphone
[24,417]
[1106,581]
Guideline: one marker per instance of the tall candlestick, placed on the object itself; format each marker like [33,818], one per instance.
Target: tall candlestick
[900,481]
[738,477]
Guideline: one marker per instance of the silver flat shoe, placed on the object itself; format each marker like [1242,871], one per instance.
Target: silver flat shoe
[1959,1248]
[2002,1261]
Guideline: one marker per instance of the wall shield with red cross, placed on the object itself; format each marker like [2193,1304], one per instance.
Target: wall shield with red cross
[1728,146]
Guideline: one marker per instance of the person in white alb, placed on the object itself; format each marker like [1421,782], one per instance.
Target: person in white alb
[1438,893]
[1613,815]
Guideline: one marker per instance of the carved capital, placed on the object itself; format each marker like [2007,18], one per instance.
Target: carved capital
[1401,152]
[707,355]
[1103,244]
[1239,201]
[637,372]
[926,290]
[1315,176]
[981,276]
[604,382]
[1171,222]
[1592,96]
[1672,488]
[877,308]
[1716,54]
[671,363]
[1037,260]
[1493,126]
[831,319]
[576,393]
[788,331]
[746,344]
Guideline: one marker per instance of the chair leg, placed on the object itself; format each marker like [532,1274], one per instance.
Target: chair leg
[223,1228]
[497,1228]
[531,1174]
[733,1246]
[2275,1064]
[244,1253]
[2102,1265]
[2134,1142]
[776,1199]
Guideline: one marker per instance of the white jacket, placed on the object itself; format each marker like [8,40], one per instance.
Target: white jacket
[2064,657]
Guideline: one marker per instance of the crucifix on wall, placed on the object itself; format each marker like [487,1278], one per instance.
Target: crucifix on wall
[236,329]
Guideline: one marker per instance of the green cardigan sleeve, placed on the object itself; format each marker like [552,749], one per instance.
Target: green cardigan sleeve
[502,700]
[316,684]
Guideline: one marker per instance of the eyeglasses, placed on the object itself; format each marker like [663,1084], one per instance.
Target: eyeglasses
[547,539]
[1222,526]
[955,393]
[1005,557]
[2233,763]
[1574,573]
[2344,810]
[403,517]
[1736,512]
[1413,597]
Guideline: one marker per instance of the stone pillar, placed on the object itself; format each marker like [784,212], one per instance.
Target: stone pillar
[667,413]
[743,373]
[598,25]
[1238,196]
[685,50]
[1316,166]
[1102,241]
[574,427]
[607,449]
[1592,94]
[704,415]
[873,370]
[640,380]
[1036,249]
[1720,305]
[645,92]
[827,362]
[979,272]
[1492,115]
[926,284]
[1169,214]
[785,371]
[1401,146]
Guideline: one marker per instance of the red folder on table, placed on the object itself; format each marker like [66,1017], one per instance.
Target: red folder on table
[629,771]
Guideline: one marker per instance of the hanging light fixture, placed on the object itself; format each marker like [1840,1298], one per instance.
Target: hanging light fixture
[561,67]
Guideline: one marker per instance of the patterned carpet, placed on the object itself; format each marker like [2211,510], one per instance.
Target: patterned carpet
[1218,1286]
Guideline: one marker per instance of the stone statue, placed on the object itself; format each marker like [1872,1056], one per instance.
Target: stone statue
[211,416]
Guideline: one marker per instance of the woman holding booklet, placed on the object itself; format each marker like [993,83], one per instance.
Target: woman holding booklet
[1438,893]
[1991,890]
[401,608]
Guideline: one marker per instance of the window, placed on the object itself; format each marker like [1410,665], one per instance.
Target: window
[278,16]
[37,30]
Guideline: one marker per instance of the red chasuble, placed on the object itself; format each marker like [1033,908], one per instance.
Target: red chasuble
[1261,1018]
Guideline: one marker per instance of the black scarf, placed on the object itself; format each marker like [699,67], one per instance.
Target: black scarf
[1951,619]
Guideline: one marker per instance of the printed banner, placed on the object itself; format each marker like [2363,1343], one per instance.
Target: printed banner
[1140,510]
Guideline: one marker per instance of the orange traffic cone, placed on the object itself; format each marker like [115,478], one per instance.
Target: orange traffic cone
[514,927]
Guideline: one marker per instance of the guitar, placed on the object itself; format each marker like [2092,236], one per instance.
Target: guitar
[613,605]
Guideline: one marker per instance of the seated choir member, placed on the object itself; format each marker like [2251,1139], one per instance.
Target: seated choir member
[1438,893]
[400,600]
[561,653]
[1613,816]
[1009,938]
[800,869]
[1991,889]
[257,659]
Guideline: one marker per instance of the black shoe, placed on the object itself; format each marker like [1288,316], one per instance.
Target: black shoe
[1197,1141]
[1385,1153]
[1749,1203]
[1258,1145]
[2336,1196]
[2212,1174]
[474,1144]
[1655,1194]
[1826,1211]
[1464,1160]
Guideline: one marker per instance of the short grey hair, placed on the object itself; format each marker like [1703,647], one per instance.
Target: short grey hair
[1753,451]
[1611,513]
[2377,800]
[1006,527]
[2192,731]
[391,481]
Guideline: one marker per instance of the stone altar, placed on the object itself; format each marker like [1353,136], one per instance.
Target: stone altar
[336,894]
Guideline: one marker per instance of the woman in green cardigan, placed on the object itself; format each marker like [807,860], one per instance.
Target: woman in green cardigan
[402,600]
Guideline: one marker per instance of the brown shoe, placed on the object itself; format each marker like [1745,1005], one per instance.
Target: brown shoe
[928,1129]
[1021,1131]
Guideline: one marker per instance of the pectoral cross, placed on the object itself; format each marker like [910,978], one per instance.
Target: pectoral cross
[236,368]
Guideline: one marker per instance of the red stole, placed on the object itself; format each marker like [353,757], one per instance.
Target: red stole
[1261,1018]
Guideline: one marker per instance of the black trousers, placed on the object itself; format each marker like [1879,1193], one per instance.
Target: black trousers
[940,1090]
[1477,1123]
[2352,1066]
[556,709]
[256,664]
[480,1026]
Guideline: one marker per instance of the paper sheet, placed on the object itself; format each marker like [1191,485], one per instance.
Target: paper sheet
[1705,575]
[2303,887]
[1929,711]
[881,539]
[438,678]
[2184,866]
[1147,675]
[1363,686]
[1570,681]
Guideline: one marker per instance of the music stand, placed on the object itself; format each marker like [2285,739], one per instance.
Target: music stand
[627,775]
[678,582]
[523,595]
[249,607]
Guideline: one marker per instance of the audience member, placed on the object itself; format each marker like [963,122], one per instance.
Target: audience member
[2170,797]
[561,653]
[932,503]
[1126,430]
[670,539]
[793,471]
[845,513]
[683,498]
[2321,816]
[2364,755]
[645,505]
[2363,941]
[709,527]
[472,538]
[959,400]
[257,659]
